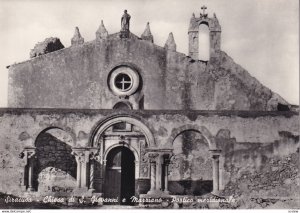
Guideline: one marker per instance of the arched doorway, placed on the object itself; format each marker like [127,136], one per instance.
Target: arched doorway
[120,175]
[128,132]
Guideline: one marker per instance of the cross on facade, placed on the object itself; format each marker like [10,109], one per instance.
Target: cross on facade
[122,140]
[122,143]
[124,84]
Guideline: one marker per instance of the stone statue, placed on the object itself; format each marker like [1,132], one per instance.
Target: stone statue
[125,21]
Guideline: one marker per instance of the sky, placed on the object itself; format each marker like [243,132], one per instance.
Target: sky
[260,35]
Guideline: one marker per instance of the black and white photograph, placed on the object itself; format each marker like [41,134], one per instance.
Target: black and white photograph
[140,104]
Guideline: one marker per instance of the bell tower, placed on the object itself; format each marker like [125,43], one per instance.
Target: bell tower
[214,34]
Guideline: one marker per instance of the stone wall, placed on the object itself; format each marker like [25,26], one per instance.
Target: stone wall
[77,77]
[262,146]
[55,166]
[191,168]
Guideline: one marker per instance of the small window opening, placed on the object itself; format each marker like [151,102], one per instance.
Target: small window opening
[123,82]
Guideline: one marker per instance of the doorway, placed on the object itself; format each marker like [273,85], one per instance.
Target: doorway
[120,175]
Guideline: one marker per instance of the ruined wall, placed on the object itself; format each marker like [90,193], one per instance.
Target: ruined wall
[191,168]
[262,175]
[77,77]
[258,145]
[55,166]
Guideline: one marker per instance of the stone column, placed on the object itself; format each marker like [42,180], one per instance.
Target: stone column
[103,174]
[82,158]
[153,175]
[29,155]
[30,172]
[94,156]
[158,172]
[166,179]
[78,175]
[216,167]
[92,168]
[153,161]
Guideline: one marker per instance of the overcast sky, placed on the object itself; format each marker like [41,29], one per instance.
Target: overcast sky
[260,35]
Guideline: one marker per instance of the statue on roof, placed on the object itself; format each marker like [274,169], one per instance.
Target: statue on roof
[125,21]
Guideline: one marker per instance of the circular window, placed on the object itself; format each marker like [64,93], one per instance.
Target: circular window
[123,81]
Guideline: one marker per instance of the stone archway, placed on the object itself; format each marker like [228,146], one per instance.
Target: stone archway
[212,153]
[201,129]
[55,165]
[51,167]
[108,122]
[135,136]
[191,168]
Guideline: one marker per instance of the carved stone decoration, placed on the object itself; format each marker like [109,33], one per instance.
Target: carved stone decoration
[144,165]
[77,38]
[170,43]
[174,164]
[101,32]
[147,35]
[152,156]
[95,154]
[82,158]
[125,20]
[28,155]
[79,156]
[94,157]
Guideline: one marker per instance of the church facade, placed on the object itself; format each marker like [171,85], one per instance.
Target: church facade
[120,118]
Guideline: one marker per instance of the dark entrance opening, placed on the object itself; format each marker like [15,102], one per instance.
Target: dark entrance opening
[120,175]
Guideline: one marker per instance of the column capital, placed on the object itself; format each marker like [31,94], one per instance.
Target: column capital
[215,153]
[167,157]
[94,154]
[81,154]
[27,153]
[160,152]
[152,156]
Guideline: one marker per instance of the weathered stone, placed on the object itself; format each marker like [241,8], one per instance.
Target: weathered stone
[101,32]
[77,38]
[24,136]
[190,128]
[147,35]
[170,43]
[47,46]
